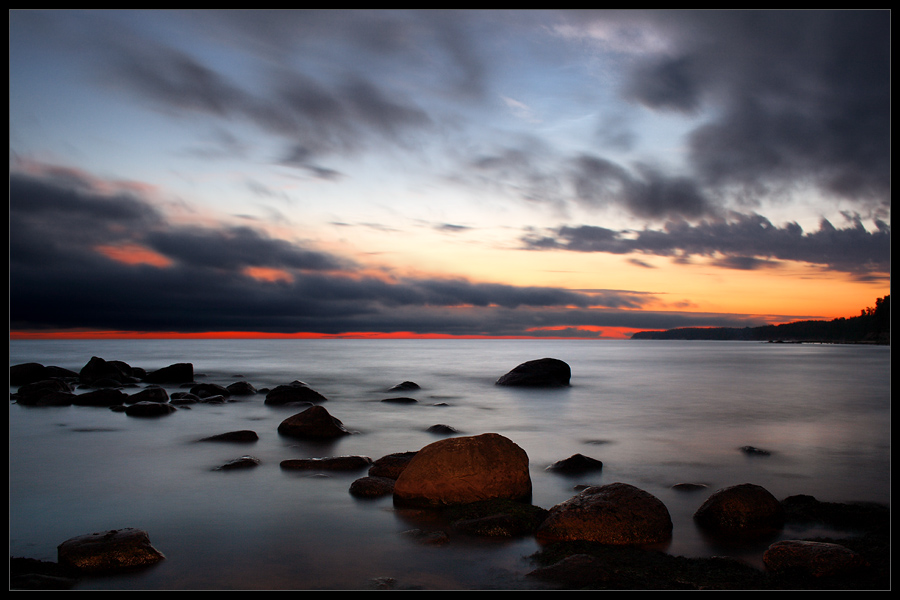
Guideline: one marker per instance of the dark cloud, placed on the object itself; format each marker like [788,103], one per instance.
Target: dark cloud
[60,277]
[740,241]
[796,97]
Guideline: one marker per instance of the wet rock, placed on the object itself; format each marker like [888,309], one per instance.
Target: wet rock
[109,551]
[404,387]
[330,463]
[101,397]
[175,373]
[819,559]
[441,429]
[210,390]
[746,509]
[615,514]
[576,464]
[46,392]
[391,465]
[149,409]
[241,388]
[184,398]
[98,368]
[372,487]
[462,470]
[496,518]
[26,373]
[400,400]
[244,462]
[33,574]
[543,372]
[151,393]
[242,436]
[753,451]
[295,392]
[314,422]
[689,487]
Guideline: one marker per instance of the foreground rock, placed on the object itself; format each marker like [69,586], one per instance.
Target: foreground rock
[462,470]
[819,559]
[314,422]
[109,551]
[744,509]
[544,372]
[615,514]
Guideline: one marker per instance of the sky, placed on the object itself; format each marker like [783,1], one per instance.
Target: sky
[445,173]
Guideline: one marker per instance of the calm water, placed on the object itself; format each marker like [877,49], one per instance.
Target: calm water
[656,414]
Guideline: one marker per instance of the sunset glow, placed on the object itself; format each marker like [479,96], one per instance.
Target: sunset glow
[444,174]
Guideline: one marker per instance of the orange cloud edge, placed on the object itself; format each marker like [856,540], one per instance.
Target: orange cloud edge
[606,333]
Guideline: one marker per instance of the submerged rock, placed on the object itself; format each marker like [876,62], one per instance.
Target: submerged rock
[576,464]
[330,463]
[819,559]
[543,372]
[243,435]
[109,551]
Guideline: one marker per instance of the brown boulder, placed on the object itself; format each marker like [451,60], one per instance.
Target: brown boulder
[819,559]
[314,422]
[462,470]
[109,551]
[740,509]
[615,514]
[543,372]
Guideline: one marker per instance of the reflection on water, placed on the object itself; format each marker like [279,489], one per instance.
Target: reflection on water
[655,413]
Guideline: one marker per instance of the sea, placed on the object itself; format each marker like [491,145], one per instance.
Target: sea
[656,413]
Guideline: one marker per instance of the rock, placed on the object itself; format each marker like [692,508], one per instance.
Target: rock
[26,373]
[314,422]
[496,518]
[293,393]
[331,463]
[404,387]
[741,509]
[576,464]
[441,429]
[184,398]
[151,393]
[372,487]
[574,571]
[461,470]
[391,466]
[431,538]
[97,369]
[819,559]
[544,372]
[46,392]
[689,487]
[614,514]
[109,551]
[241,388]
[753,451]
[210,390]
[244,462]
[400,400]
[176,373]
[149,409]
[101,397]
[244,435]
[33,574]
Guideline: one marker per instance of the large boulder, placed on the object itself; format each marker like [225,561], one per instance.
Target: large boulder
[314,422]
[31,372]
[614,514]
[746,509]
[109,551]
[543,372]
[462,470]
[46,392]
[97,369]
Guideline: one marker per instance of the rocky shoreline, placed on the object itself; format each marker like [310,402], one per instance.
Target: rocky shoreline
[601,538]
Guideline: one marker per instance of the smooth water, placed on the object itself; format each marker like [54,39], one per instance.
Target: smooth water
[656,413]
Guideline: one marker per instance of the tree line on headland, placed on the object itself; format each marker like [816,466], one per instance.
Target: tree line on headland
[872,326]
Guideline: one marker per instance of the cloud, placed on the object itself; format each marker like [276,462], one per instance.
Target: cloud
[86,255]
[739,241]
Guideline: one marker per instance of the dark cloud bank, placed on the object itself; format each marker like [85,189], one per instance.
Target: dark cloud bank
[60,279]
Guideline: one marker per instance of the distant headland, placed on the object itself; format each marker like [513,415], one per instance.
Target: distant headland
[872,326]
